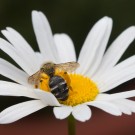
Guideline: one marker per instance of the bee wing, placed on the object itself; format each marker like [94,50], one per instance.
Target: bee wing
[68,66]
[34,78]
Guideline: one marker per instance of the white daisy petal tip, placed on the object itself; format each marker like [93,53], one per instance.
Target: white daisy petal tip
[62,112]
[3,31]
[81,113]
[130,31]
[123,108]
[106,19]
[34,11]
[132,28]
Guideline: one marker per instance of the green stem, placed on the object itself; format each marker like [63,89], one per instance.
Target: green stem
[71,125]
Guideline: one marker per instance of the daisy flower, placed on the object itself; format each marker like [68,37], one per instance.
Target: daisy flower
[98,73]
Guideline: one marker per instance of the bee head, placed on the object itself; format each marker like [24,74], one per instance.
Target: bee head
[48,68]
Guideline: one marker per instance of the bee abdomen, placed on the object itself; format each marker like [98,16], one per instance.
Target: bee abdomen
[59,87]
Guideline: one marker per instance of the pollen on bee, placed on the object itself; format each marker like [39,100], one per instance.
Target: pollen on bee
[44,81]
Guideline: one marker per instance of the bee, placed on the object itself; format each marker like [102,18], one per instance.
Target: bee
[58,85]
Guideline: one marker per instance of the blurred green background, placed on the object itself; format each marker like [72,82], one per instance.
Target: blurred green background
[74,17]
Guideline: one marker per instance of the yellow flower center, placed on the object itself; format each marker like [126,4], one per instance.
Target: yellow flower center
[81,89]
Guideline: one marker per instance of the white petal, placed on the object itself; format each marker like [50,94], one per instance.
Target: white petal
[62,112]
[65,48]
[81,112]
[125,105]
[40,58]
[10,71]
[120,95]
[22,47]
[91,45]
[100,51]
[106,106]
[44,36]
[121,73]
[20,110]
[102,97]
[47,97]
[10,50]
[129,103]
[123,108]
[13,89]
[116,49]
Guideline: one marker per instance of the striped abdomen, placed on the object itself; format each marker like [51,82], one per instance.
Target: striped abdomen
[58,87]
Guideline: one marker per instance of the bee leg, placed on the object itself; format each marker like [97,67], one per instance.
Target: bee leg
[65,73]
[41,81]
[36,86]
